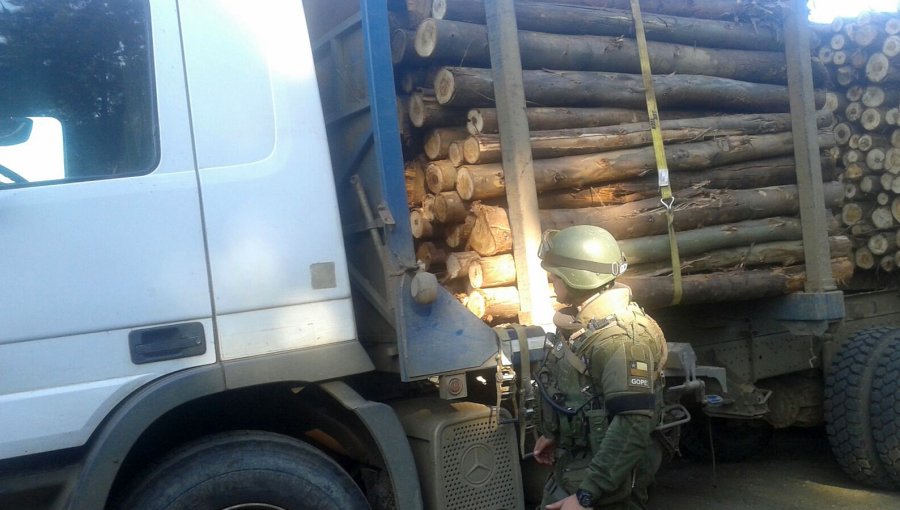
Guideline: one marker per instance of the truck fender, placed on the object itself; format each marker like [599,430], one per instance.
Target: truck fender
[124,426]
[382,423]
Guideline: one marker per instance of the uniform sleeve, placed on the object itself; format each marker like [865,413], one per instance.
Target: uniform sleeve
[622,370]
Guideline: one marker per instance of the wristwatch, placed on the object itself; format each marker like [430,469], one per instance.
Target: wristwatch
[585,498]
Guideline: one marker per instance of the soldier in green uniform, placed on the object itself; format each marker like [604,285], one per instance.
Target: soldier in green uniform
[601,382]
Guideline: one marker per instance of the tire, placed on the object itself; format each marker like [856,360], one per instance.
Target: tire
[847,417]
[246,468]
[734,440]
[885,410]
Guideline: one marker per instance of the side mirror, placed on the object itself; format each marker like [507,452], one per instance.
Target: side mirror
[15,130]
[31,150]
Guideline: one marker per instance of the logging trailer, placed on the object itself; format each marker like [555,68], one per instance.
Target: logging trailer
[212,289]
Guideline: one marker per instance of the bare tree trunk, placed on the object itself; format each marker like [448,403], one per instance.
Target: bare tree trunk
[752,174]
[484,120]
[647,217]
[491,234]
[486,181]
[494,303]
[472,87]
[653,292]
[493,272]
[655,248]
[480,149]
[782,253]
[466,44]
[572,19]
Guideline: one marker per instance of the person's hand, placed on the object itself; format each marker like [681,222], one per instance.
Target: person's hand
[543,450]
[570,503]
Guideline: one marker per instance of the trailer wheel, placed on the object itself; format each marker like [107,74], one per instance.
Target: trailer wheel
[885,410]
[252,470]
[734,440]
[847,419]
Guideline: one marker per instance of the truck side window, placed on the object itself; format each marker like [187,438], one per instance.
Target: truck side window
[76,91]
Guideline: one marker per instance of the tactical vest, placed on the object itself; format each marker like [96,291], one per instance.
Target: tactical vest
[574,409]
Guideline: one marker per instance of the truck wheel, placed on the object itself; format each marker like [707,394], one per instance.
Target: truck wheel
[847,419]
[734,440]
[252,470]
[885,410]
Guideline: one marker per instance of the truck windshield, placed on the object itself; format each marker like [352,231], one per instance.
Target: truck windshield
[81,72]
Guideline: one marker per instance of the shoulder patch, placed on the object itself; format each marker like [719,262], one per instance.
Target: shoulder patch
[639,382]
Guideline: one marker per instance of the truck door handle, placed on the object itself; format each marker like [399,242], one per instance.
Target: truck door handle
[166,342]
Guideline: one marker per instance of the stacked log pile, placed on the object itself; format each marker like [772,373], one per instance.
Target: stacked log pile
[720,80]
[863,55]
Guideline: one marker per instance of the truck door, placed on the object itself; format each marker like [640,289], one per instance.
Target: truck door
[104,282]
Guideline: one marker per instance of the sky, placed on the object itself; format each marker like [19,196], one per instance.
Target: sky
[823,11]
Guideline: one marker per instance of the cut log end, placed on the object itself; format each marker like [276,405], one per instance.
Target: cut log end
[426,38]
[444,86]
[475,122]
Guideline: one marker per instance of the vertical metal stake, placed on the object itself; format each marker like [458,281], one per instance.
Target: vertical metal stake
[518,168]
[806,149]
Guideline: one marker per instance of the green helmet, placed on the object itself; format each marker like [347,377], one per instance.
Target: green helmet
[584,257]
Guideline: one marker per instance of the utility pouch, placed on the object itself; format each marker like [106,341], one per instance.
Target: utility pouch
[597,424]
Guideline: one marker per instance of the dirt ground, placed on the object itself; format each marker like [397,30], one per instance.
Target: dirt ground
[796,472]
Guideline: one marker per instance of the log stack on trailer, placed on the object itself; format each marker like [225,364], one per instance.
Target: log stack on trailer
[720,78]
[863,55]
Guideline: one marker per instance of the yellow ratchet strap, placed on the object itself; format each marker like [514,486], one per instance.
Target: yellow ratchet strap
[665,189]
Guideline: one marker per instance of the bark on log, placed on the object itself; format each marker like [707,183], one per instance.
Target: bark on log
[458,263]
[484,120]
[466,44]
[870,184]
[752,174]
[430,255]
[486,181]
[496,271]
[414,175]
[425,112]
[835,102]
[455,154]
[653,292]
[402,48]
[846,75]
[462,86]
[491,234]
[706,9]
[481,149]
[449,208]
[495,303]
[655,248]
[457,235]
[869,141]
[711,207]
[783,253]
[572,19]
[440,176]
[437,144]
[420,227]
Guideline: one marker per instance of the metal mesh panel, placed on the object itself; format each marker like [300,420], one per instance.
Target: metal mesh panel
[479,466]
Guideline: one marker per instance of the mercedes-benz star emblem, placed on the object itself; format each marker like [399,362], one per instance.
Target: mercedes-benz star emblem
[477,464]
